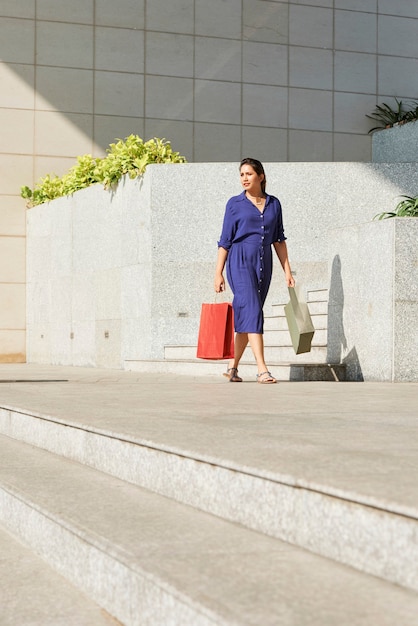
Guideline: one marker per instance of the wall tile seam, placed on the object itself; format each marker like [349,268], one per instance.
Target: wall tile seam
[284,86]
[325,48]
[64,112]
[343,10]
[346,132]
[193,146]
[18,19]
[288,113]
[75,68]
[133,117]
[196,121]
[339,91]
[15,282]
[42,20]
[395,56]
[94,24]
[35,93]
[142,73]
[356,93]
[289,45]
[11,63]
[191,35]
[357,52]
[398,17]
[79,68]
[10,330]
[20,154]
[317,6]
[377,54]
[33,109]
[210,80]
[93,79]
[195,77]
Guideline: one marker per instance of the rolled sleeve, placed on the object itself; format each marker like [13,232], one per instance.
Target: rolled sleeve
[229,228]
[279,236]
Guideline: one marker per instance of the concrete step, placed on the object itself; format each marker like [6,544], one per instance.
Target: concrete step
[32,592]
[312,295]
[279,322]
[317,295]
[315,308]
[282,338]
[273,354]
[149,560]
[248,371]
[185,451]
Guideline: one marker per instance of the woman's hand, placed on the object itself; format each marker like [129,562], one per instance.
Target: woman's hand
[219,271]
[290,281]
[219,283]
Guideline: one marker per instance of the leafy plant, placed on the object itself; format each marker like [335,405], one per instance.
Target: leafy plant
[408,207]
[387,116]
[129,156]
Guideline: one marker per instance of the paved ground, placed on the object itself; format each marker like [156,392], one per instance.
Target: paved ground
[357,440]
[356,437]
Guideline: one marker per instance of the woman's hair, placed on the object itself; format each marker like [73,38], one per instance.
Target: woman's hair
[257,167]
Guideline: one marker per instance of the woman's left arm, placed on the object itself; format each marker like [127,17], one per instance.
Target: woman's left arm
[281,251]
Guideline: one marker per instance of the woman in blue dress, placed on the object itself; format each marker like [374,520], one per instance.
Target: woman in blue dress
[252,225]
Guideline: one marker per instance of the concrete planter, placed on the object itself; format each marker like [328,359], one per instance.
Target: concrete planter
[373,303]
[398,144]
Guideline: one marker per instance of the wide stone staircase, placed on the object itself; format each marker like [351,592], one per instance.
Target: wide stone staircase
[279,353]
[155,518]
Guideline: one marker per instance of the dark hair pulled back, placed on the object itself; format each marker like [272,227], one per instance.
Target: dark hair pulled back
[257,167]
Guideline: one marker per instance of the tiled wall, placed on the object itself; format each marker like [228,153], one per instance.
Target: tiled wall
[283,81]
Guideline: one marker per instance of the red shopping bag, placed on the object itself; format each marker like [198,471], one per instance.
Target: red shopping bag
[216,332]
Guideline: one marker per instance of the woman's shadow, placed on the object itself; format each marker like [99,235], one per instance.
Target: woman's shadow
[337,345]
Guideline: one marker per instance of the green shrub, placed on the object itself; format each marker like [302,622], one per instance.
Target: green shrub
[129,156]
[408,207]
[387,116]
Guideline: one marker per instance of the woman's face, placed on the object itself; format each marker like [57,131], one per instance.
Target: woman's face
[250,180]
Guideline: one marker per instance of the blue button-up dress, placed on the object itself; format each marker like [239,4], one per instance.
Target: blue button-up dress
[248,235]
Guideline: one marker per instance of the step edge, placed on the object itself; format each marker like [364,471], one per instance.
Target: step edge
[334,503]
[278,478]
[102,545]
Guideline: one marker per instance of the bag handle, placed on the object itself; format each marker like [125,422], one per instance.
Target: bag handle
[294,296]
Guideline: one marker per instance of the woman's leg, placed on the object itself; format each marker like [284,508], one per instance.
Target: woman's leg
[257,345]
[241,340]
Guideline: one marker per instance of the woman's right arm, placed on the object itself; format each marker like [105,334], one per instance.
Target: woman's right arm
[219,277]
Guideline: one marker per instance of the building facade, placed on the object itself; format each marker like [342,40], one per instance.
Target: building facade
[282,81]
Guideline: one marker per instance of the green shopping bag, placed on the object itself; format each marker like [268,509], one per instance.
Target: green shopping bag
[299,322]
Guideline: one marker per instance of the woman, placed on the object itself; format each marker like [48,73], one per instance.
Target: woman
[252,224]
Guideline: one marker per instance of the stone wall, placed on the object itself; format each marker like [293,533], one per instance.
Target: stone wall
[373,301]
[398,144]
[117,276]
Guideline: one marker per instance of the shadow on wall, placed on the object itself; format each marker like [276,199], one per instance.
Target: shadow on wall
[336,340]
